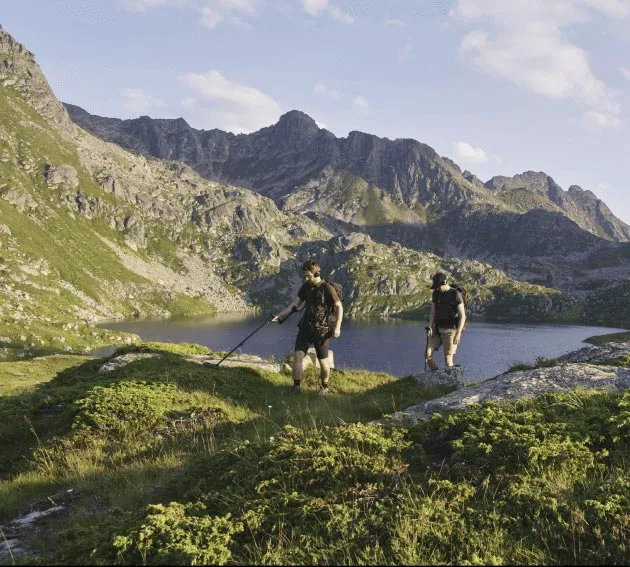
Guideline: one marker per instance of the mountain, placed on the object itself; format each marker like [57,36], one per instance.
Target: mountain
[306,168]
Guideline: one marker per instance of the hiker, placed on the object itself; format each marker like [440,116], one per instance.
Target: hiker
[447,318]
[321,322]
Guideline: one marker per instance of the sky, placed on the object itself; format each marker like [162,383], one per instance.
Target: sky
[499,86]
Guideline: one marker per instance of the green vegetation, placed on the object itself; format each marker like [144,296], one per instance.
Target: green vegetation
[610,338]
[523,200]
[540,363]
[57,274]
[610,306]
[165,461]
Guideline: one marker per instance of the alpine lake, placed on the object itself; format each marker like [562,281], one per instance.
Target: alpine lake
[395,346]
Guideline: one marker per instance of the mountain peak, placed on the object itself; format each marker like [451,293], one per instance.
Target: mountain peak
[296,120]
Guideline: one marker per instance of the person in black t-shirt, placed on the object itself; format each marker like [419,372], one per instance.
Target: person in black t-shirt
[321,321]
[447,318]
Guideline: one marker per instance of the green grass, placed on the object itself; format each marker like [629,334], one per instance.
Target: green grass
[164,461]
[67,246]
[610,338]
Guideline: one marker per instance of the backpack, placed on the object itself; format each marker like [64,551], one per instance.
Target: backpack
[324,316]
[446,314]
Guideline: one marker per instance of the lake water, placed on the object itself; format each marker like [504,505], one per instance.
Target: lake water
[393,346]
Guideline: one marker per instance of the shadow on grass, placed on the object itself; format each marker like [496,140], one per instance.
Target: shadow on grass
[254,404]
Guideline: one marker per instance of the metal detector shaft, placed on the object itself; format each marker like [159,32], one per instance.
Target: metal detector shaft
[269,318]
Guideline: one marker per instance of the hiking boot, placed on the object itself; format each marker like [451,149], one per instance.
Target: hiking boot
[296,390]
[323,392]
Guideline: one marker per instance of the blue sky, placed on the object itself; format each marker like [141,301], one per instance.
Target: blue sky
[499,86]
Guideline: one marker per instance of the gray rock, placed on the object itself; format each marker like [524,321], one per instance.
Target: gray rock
[524,384]
[124,360]
[453,376]
[20,199]
[62,175]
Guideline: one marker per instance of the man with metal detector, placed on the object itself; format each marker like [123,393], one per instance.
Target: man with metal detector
[447,318]
[321,321]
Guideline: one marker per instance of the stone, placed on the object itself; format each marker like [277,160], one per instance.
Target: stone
[124,360]
[62,175]
[453,376]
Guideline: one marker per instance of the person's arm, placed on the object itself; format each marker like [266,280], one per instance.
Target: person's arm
[297,303]
[431,319]
[461,321]
[338,317]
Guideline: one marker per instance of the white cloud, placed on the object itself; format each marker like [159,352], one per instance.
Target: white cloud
[466,153]
[525,42]
[317,7]
[405,53]
[138,102]
[143,5]
[341,16]
[216,11]
[360,104]
[598,120]
[625,72]
[321,125]
[323,90]
[394,24]
[225,104]
[212,12]
[210,17]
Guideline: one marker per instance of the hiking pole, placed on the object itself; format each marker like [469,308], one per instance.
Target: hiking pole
[269,318]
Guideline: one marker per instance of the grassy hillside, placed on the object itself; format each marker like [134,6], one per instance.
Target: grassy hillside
[57,274]
[165,461]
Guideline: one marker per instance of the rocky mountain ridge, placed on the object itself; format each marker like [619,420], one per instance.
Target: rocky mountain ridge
[295,156]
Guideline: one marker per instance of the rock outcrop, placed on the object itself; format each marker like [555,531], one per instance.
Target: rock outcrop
[580,369]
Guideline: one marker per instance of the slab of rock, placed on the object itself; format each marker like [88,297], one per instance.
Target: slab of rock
[597,353]
[124,360]
[247,360]
[516,385]
[453,376]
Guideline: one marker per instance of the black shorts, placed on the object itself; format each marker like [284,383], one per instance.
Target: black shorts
[307,338]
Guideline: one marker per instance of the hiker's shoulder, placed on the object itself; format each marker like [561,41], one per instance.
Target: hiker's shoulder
[329,288]
[303,290]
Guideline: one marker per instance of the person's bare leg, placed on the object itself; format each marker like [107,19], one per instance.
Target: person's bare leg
[430,362]
[298,360]
[448,359]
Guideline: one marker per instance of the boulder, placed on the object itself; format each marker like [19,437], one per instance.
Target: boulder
[453,376]
[62,175]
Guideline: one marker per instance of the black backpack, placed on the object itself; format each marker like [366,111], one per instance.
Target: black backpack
[325,314]
[446,314]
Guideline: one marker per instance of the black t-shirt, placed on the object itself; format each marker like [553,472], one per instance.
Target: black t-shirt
[455,298]
[446,303]
[311,294]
